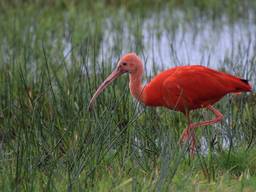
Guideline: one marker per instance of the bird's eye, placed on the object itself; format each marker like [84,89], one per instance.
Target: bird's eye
[124,64]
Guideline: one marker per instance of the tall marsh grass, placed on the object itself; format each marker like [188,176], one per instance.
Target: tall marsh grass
[51,61]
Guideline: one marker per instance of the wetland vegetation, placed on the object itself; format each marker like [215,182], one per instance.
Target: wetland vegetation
[54,54]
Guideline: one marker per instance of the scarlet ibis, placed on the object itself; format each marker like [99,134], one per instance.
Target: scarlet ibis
[182,88]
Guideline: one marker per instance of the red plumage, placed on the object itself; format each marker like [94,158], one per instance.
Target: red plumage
[185,88]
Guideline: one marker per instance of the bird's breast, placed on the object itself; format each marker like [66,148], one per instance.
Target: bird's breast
[152,96]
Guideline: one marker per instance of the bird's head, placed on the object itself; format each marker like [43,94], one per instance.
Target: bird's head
[129,63]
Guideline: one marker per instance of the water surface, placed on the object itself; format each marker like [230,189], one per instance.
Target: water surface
[169,40]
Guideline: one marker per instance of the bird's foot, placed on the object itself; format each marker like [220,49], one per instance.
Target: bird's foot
[188,135]
[192,148]
[185,135]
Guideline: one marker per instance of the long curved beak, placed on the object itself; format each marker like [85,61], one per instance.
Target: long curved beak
[115,74]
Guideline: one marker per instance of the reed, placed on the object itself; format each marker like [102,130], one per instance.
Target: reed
[55,53]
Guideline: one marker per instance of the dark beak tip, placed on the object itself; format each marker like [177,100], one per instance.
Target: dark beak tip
[90,107]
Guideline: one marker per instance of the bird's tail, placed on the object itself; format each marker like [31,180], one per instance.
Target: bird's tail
[241,85]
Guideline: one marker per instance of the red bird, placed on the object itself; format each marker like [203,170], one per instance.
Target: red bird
[182,88]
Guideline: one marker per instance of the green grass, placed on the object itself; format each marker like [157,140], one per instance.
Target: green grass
[50,142]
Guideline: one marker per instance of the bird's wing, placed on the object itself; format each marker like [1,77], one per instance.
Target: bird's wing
[174,95]
[192,89]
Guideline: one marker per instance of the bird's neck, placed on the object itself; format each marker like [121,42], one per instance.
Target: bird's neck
[135,84]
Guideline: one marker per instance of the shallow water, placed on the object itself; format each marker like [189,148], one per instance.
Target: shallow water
[166,43]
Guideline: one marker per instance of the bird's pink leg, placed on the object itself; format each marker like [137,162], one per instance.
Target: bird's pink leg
[218,118]
[189,132]
[189,135]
